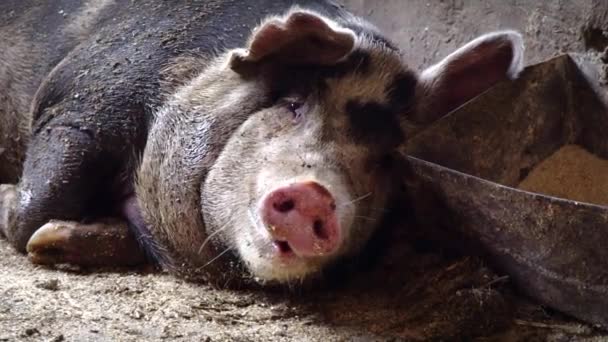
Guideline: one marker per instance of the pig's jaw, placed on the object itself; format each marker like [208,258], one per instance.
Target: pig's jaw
[268,259]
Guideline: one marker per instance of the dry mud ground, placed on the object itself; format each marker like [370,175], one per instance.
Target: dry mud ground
[421,297]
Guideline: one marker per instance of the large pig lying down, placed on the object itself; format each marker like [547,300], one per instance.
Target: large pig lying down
[221,140]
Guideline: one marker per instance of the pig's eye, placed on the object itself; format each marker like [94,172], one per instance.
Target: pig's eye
[297,110]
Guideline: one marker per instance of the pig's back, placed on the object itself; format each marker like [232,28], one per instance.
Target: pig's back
[99,61]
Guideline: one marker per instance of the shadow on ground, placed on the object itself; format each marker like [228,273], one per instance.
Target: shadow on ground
[407,295]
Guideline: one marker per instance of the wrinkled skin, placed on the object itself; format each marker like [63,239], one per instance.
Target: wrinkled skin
[186,140]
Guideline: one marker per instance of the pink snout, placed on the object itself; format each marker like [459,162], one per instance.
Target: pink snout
[301,218]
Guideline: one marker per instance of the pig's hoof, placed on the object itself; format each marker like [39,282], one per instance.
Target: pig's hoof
[98,244]
[8,201]
[51,243]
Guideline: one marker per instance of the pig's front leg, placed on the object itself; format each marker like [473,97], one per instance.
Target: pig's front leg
[107,242]
[66,176]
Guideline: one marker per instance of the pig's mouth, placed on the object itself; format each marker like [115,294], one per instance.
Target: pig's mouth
[283,249]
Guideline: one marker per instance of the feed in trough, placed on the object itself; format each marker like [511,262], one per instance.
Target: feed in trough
[572,173]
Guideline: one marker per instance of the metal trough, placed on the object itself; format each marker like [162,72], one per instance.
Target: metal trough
[463,170]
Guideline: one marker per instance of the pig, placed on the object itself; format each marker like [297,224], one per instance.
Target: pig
[224,141]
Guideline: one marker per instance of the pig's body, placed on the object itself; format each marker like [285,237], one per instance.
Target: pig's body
[68,55]
[95,70]
[143,111]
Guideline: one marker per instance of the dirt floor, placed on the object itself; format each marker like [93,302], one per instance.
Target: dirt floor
[422,296]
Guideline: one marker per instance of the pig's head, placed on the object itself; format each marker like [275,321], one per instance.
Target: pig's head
[274,160]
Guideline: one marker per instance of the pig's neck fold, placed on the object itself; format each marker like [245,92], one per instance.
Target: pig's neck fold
[186,138]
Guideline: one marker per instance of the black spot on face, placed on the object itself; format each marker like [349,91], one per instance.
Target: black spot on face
[358,61]
[401,91]
[374,124]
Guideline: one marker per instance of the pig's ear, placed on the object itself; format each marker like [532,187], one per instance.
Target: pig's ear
[469,71]
[299,38]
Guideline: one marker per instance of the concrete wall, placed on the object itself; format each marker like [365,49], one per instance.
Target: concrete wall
[428,30]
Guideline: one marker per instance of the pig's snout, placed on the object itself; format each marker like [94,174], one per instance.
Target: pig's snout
[301,218]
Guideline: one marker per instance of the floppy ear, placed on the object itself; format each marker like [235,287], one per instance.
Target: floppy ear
[298,38]
[468,72]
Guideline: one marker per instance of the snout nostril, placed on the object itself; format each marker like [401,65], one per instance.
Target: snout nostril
[319,229]
[284,206]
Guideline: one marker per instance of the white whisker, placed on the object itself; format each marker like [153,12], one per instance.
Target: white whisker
[224,227]
[211,235]
[356,199]
[366,218]
[217,257]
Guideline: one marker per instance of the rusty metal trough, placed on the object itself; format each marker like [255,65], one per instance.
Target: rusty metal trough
[463,170]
